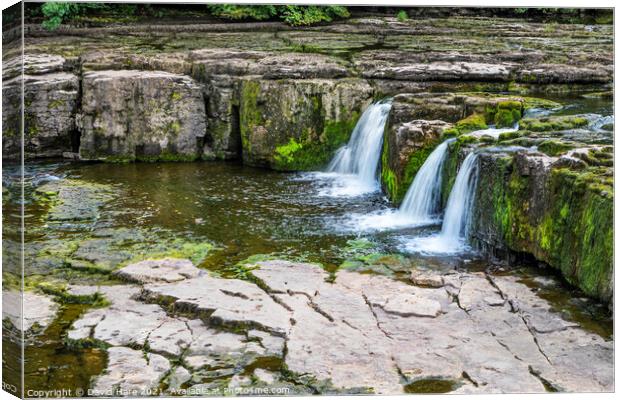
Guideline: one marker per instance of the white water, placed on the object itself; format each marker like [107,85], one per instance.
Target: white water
[355,165]
[423,199]
[457,218]
[421,205]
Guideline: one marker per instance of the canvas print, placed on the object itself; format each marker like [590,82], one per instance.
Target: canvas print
[232,199]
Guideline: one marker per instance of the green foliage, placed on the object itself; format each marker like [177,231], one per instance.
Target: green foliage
[57,12]
[291,14]
[402,16]
[239,12]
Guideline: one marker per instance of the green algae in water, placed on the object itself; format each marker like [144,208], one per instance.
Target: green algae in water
[431,386]
[50,364]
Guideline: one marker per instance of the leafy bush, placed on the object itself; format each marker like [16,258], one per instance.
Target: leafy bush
[309,15]
[57,12]
[292,15]
[231,11]
[402,16]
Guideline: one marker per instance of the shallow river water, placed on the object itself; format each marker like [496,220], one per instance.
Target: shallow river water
[242,212]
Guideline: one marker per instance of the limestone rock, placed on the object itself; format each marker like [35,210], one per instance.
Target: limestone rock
[130,114]
[426,278]
[563,217]
[302,129]
[226,301]
[50,102]
[130,373]
[38,310]
[165,270]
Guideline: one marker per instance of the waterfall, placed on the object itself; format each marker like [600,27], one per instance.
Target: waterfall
[457,217]
[456,220]
[360,157]
[422,202]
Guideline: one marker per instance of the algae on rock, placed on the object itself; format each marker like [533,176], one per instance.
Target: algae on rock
[295,125]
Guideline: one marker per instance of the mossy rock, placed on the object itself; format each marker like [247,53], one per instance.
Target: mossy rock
[294,125]
[555,147]
[553,123]
[565,223]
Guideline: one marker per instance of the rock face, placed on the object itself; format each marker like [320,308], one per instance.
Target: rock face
[473,332]
[50,100]
[298,124]
[532,203]
[405,148]
[129,115]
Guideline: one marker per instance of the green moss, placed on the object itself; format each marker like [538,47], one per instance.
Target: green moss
[55,104]
[307,154]
[196,252]
[509,135]
[554,147]
[554,123]
[504,114]
[571,231]
[176,96]
[472,123]
[285,154]
[249,115]
[395,185]
[174,128]
[166,156]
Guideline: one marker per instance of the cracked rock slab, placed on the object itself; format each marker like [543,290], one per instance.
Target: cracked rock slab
[165,270]
[38,310]
[226,302]
[130,373]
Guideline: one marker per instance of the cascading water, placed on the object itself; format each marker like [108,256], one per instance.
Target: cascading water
[456,220]
[360,157]
[422,202]
[457,217]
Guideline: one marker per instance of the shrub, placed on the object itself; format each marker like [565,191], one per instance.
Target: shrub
[402,16]
[57,12]
[292,15]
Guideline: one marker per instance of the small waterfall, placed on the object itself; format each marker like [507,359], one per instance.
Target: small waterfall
[422,202]
[456,220]
[361,155]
